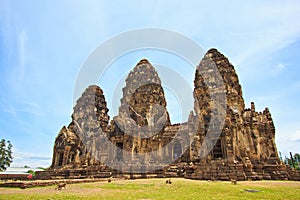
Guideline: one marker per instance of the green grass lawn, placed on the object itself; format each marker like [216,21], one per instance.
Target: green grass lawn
[158,189]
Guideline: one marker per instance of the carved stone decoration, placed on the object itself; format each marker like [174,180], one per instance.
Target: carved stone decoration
[244,150]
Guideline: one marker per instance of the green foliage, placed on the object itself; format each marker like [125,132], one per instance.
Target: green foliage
[294,162]
[43,168]
[5,154]
[31,172]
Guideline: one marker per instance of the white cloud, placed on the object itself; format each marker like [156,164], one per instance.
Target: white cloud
[243,30]
[21,159]
[295,137]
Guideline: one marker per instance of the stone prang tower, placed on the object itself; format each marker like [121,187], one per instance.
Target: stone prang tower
[221,140]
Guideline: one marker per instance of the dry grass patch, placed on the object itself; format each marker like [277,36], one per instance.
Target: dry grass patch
[158,189]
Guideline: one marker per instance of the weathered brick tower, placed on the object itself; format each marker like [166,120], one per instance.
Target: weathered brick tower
[141,141]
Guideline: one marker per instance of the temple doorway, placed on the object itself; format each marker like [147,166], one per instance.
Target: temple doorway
[177,150]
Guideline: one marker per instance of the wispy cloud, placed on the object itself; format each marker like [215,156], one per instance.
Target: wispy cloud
[295,137]
[15,107]
[21,159]
[259,29]
[22,53]
[28,156]
[280,67]
[8,108]
[31,108]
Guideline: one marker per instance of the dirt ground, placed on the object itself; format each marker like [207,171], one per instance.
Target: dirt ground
[83,188]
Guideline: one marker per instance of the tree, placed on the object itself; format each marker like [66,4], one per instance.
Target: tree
[293,161]
[5,154]
[31,172]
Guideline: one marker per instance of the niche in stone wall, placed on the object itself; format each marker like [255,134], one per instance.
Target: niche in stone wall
[119,151]
[217,151]
[60,158]
[177,150]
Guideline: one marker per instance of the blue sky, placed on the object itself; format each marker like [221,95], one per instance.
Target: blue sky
[44,43]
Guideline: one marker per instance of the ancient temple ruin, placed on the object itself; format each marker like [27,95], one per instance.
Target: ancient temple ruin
[221,140]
